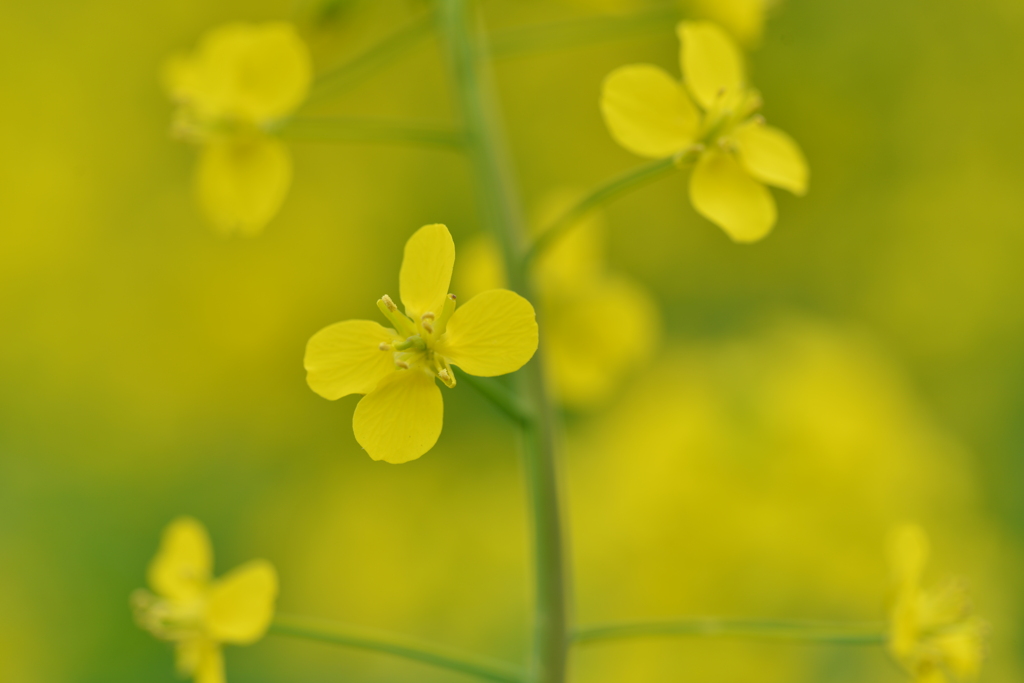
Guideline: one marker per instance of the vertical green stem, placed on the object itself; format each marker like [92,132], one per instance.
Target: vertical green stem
[500,205]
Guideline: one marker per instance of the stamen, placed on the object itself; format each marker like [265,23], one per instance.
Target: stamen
[389,303]
[428,327]
[384,346]
[427,316]
[446,313]
[402,364]
[759,120]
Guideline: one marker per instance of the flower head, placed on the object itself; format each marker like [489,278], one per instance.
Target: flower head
[711,113]
[197,612]
[934,635]
[229,91]
[400,415]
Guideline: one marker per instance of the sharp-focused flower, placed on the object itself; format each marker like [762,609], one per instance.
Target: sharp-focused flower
[197,612]
[712,113]
[399,418]
[599,326]
[230,90]
[934,635]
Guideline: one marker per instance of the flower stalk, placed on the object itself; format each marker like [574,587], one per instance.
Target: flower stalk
[396,645]
[468,59]
[774,629]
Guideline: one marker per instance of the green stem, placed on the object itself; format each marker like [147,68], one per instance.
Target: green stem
[397,645]
[505,400]
[468,60]
[603,194]
[343,129]
[532,39]
[347,75]
[822,632]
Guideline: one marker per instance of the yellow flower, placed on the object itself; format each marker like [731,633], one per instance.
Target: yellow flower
[229,91]
[198,613]
[599,326]
[712,111]
[934,635]
[744,19]
[399,418]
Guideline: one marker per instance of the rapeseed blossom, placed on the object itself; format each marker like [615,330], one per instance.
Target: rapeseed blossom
[198,613]
[933,635]
[712,114]
[743,19]
[230,90]
[400,415]
[599,326]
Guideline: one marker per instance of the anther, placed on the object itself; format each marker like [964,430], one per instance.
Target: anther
[389,303]
[759,120]
[402,364]
[427,316]
[384,346]
[428,327]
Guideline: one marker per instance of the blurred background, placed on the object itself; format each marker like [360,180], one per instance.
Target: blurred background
[861,366]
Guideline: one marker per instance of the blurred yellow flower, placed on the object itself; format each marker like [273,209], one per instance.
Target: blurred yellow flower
[198,613]
[238,81]
[744,19]
[598,326]
[400,416]
[651,114]
[934,634]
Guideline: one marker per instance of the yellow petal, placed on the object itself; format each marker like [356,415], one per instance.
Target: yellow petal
[401,419]
[253,72]
[711,63]
[908,554]
[724,193]
[480,267]
[647,111]
[211,666]
[198,656]
[345,358]
[426,270]
[182,566]
[596,340]
[242,182]
[963,649]
[241,603]
[772,157]
[744,19]
[494,333]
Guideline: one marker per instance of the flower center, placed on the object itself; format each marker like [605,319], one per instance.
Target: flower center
[414,347]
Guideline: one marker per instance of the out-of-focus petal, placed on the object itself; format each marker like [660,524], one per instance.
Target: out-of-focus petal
[254,72]
[597,339]
[401,419]
[241,603]
[963,648]
[493,334]
[744,19]
[723,192]
[242,182]
[426,270]
[345,358]
[712,64]
[647,111]
[211,666]
[480,267]
[183,564]
[576,258]
[908,554]
[772,157]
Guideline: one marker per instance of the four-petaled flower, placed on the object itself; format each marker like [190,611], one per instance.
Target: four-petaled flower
[651,114]
[198,613]
[230,90]
[399,418]
[933,634]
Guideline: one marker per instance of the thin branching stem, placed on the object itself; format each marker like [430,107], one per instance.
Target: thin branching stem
[530,40]
[338,80]
[501,396]
[397,645]
[773,629]
[604,193]
[346,129]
